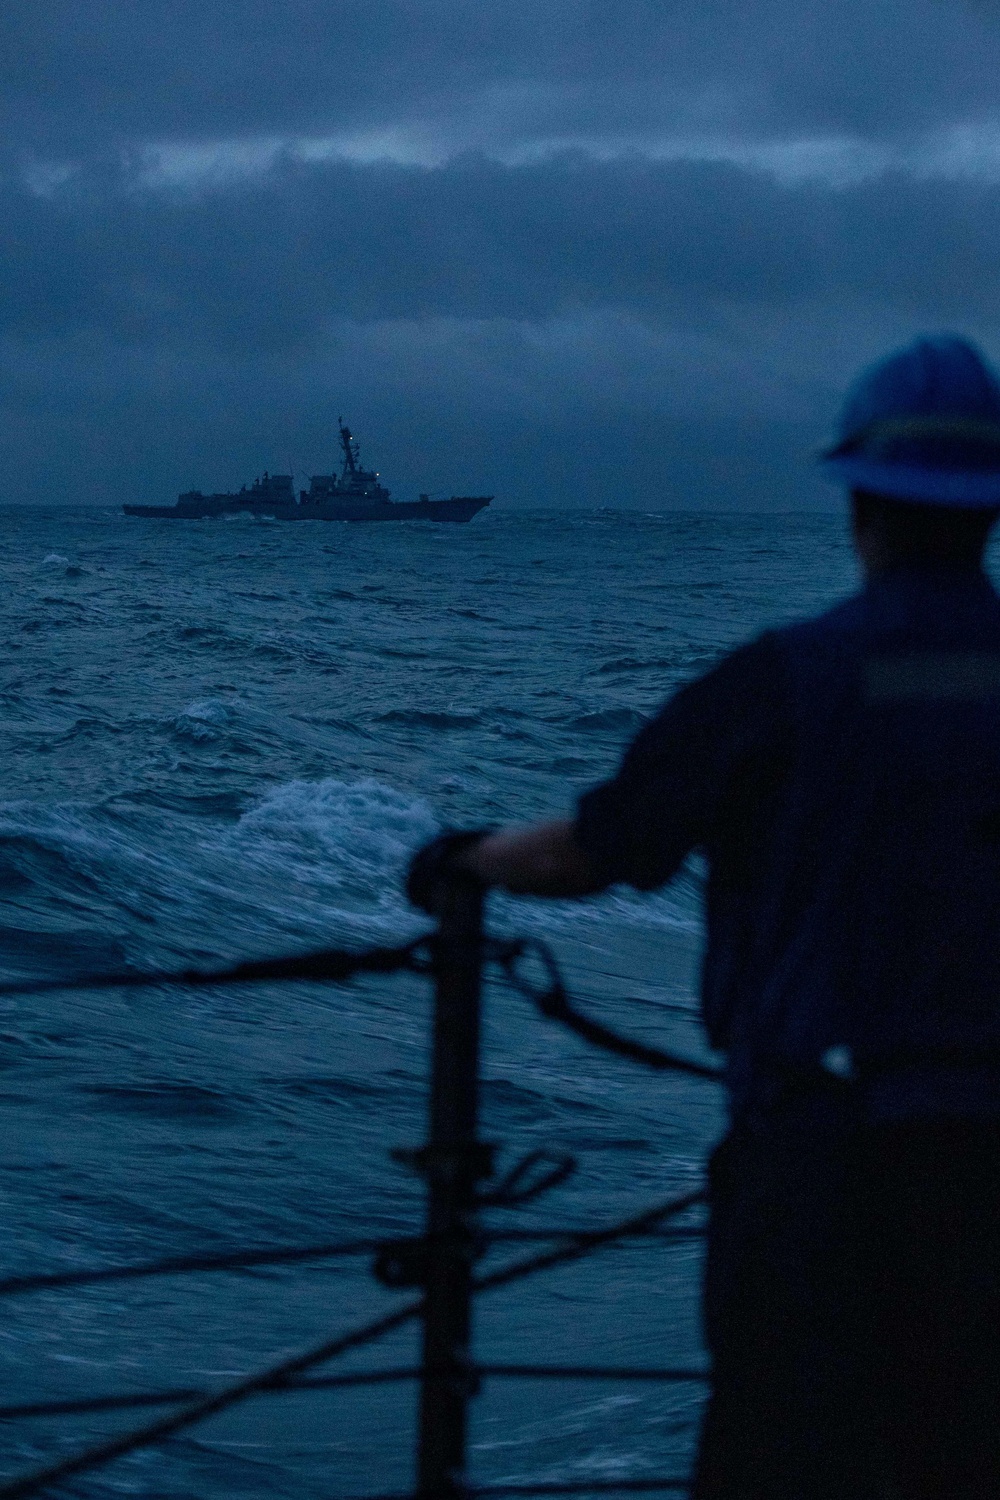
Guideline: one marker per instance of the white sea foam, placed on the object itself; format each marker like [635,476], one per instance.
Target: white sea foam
[348,843]
[190,727]
[353,841]
[310,862]
[324,859]
[201,721]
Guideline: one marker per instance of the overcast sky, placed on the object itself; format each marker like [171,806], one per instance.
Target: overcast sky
[568,252]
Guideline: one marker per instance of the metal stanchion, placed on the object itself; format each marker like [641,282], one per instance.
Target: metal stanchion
[453,1161]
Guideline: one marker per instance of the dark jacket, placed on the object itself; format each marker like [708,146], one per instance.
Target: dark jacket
[842,777]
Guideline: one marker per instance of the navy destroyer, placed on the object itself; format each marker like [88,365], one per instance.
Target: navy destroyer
[354,494]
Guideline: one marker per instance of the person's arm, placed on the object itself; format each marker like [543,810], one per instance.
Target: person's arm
[543,859]
[669,796]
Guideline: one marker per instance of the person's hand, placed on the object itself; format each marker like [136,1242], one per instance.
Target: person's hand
[436,862]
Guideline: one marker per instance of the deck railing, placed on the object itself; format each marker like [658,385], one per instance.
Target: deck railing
[454,1163]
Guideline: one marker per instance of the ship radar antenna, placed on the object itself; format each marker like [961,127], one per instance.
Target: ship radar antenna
[352,453]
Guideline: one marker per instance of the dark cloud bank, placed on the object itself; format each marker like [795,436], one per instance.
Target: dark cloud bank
[543,308]
[73,74]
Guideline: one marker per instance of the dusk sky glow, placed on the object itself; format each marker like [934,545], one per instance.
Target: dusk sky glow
[566,252]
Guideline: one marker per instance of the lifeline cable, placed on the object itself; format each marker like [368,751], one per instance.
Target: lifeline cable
[81,1406]
[340,964]
[326,964]
[592,1240]
[585,1487]
[238,1260]
[204,1406]
[552,1000]
[640,1485]
[276,1375]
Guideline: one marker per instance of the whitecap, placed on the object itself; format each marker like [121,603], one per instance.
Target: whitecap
[344,844]
[201,721]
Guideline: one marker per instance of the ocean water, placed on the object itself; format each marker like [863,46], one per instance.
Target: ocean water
[224,738]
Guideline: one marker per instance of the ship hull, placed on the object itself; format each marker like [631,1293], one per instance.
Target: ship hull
[459,508]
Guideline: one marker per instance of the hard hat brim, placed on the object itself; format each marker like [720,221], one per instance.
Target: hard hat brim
[971,491]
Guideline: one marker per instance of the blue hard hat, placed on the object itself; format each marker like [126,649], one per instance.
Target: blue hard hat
[923,425]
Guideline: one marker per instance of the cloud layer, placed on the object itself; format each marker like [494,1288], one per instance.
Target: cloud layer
[579,253]
[201,69]
[273,261]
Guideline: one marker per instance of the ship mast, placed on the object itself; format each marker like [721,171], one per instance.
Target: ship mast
[351,450]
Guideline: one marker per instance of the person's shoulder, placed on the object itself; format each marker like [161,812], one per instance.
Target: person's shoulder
[764,653]
[762,677]
[847,618]
[757,653]
[745,682]
[754,683]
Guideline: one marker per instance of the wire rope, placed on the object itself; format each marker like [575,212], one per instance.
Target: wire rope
[276,1375]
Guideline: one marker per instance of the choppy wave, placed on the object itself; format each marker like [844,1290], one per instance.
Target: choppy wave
[428,719]
[222,740]
[614,720]
[308,862]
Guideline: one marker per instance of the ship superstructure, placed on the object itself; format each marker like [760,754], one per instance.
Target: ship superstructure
[354,482]
[355,494]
